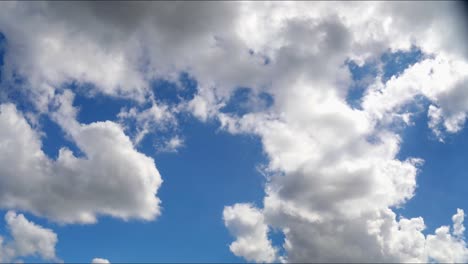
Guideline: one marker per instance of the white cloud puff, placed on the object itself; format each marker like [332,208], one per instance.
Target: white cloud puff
[111,179]
[27,239]
[247,224]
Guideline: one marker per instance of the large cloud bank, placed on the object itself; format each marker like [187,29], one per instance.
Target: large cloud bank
[334,175]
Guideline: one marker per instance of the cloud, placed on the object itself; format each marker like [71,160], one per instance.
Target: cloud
[458,227]
[334,172]
[27,239]
[100,260]
[155,118]
[247,224]
[446,246]
[111,179]
[117,56]
[325,186]
[442,80]
[171,145]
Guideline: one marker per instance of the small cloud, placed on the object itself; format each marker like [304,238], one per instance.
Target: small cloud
[172,145]
[100,261]
[27,239]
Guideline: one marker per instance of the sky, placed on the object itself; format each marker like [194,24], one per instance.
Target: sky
[233,132]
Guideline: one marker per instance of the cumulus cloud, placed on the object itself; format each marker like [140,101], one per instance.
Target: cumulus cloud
[111,179]
[247,224]
[441,80]
[27,239]
[458,227]
[100,260]
[334,172]
[447,246]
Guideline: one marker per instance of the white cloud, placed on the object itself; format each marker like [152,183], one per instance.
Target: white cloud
[155,118]
[446,246]
[247,224]
[334,170]
[171,145]
[441,80]
[112,179]
[334,175]
[118,56]
[27,239]
[458,227]
[100,260]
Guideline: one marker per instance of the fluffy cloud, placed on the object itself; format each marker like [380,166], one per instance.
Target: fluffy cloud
[117,56]
[325,186]
[111,179]
[247,224]
[334,175]
[441,79]
[446,246]
[27,239]
[334,171]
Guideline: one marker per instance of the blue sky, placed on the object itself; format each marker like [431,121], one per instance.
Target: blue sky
[271,147]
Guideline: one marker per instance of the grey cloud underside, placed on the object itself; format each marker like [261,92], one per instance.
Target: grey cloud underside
[330,190]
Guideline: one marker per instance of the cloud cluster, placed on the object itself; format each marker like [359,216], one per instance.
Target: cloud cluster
[334,175]
[441,79]
[248,225]
[334,169]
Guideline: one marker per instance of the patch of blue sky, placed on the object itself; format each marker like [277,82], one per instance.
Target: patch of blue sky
[170,92]
[277,238]
[54,138]
[245,100]
[99,107]
[14,92]
[394,63]
[442,178]
[362,76]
